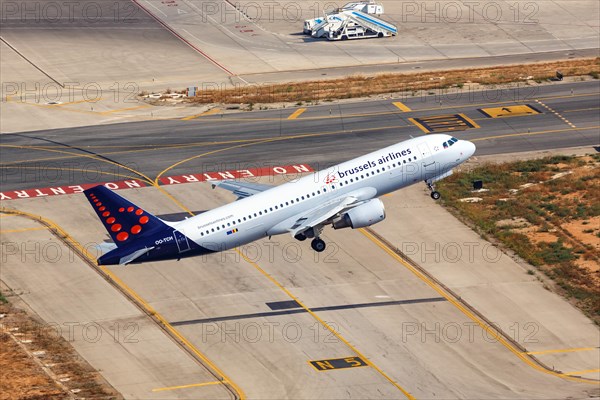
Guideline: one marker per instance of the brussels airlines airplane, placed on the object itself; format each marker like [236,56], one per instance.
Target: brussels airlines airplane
[342,196]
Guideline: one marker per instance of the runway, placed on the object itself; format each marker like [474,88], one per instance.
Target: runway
[564,115]
[275,320]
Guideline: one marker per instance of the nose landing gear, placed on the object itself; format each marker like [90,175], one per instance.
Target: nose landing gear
[434,193]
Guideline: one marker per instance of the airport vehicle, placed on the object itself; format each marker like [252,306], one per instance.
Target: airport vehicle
[343,196]
[353,21]
[368,7]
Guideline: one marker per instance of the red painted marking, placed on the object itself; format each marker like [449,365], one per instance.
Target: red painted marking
[105,214]
[136,229]
[130,209]
[102,208]
[121,209]
[111,220]
[115,228]
[121,237]
[139,211]
[236,174]
[144,219]
[169,180]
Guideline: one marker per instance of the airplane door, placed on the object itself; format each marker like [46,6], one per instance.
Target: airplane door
[181,240]
[424,150]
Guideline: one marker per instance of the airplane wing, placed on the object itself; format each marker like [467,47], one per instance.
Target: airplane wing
[315,217]
[242,189]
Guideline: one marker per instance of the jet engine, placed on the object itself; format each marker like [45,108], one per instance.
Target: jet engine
[366,214]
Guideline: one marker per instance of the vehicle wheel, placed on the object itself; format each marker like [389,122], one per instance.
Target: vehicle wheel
[318,245]
[301,237]
[380,35]
[344,37]
[435,195]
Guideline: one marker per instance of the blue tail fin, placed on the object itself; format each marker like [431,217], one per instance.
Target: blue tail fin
[124,221]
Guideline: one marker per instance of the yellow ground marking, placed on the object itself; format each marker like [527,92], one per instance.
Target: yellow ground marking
[562,350]
[585,371]
[296,113]
[470,121]
[39,228]
[553,111]
[325,324]
[509,111]
[125,109]
[186,386]
[418,124]
[70,169]
[402,106]
[209,112]
[489,330]
[91,258]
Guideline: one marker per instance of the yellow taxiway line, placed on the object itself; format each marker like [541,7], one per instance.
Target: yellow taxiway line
[296,113]
[186,386]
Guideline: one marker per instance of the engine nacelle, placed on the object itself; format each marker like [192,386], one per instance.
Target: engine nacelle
[366,214]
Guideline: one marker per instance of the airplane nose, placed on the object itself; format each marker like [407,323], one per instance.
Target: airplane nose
[470,148]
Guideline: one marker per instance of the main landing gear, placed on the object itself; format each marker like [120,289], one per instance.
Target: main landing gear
[434,193]
[317,244]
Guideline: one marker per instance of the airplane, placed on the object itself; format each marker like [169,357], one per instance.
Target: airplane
[342,196]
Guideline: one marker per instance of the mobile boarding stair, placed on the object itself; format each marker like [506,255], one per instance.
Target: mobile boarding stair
[360,25]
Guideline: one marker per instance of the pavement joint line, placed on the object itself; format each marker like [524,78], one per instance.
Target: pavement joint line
[132,295]
[467,310]
[192,385]
[296,113]
[562,350]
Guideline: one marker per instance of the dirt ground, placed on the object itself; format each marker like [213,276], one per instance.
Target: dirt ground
[547,211]
[35,363]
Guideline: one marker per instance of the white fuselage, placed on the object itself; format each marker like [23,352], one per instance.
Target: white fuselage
[370,176]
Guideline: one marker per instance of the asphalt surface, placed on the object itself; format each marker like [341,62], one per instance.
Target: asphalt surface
[321,135]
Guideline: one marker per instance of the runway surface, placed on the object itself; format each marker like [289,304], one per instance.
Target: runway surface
[553,116]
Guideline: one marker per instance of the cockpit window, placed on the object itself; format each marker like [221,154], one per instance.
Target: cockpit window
[445,145]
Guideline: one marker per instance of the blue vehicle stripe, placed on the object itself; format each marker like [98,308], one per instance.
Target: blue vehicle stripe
[386,26]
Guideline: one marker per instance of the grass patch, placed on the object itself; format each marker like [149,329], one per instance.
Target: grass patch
[3,299]
[515,192]
[360,86]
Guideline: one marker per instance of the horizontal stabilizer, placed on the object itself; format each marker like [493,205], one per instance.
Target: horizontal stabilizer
[136,254]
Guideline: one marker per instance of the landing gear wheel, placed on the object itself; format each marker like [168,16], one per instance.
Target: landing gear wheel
[435,195]
[301,237]
[318,245]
